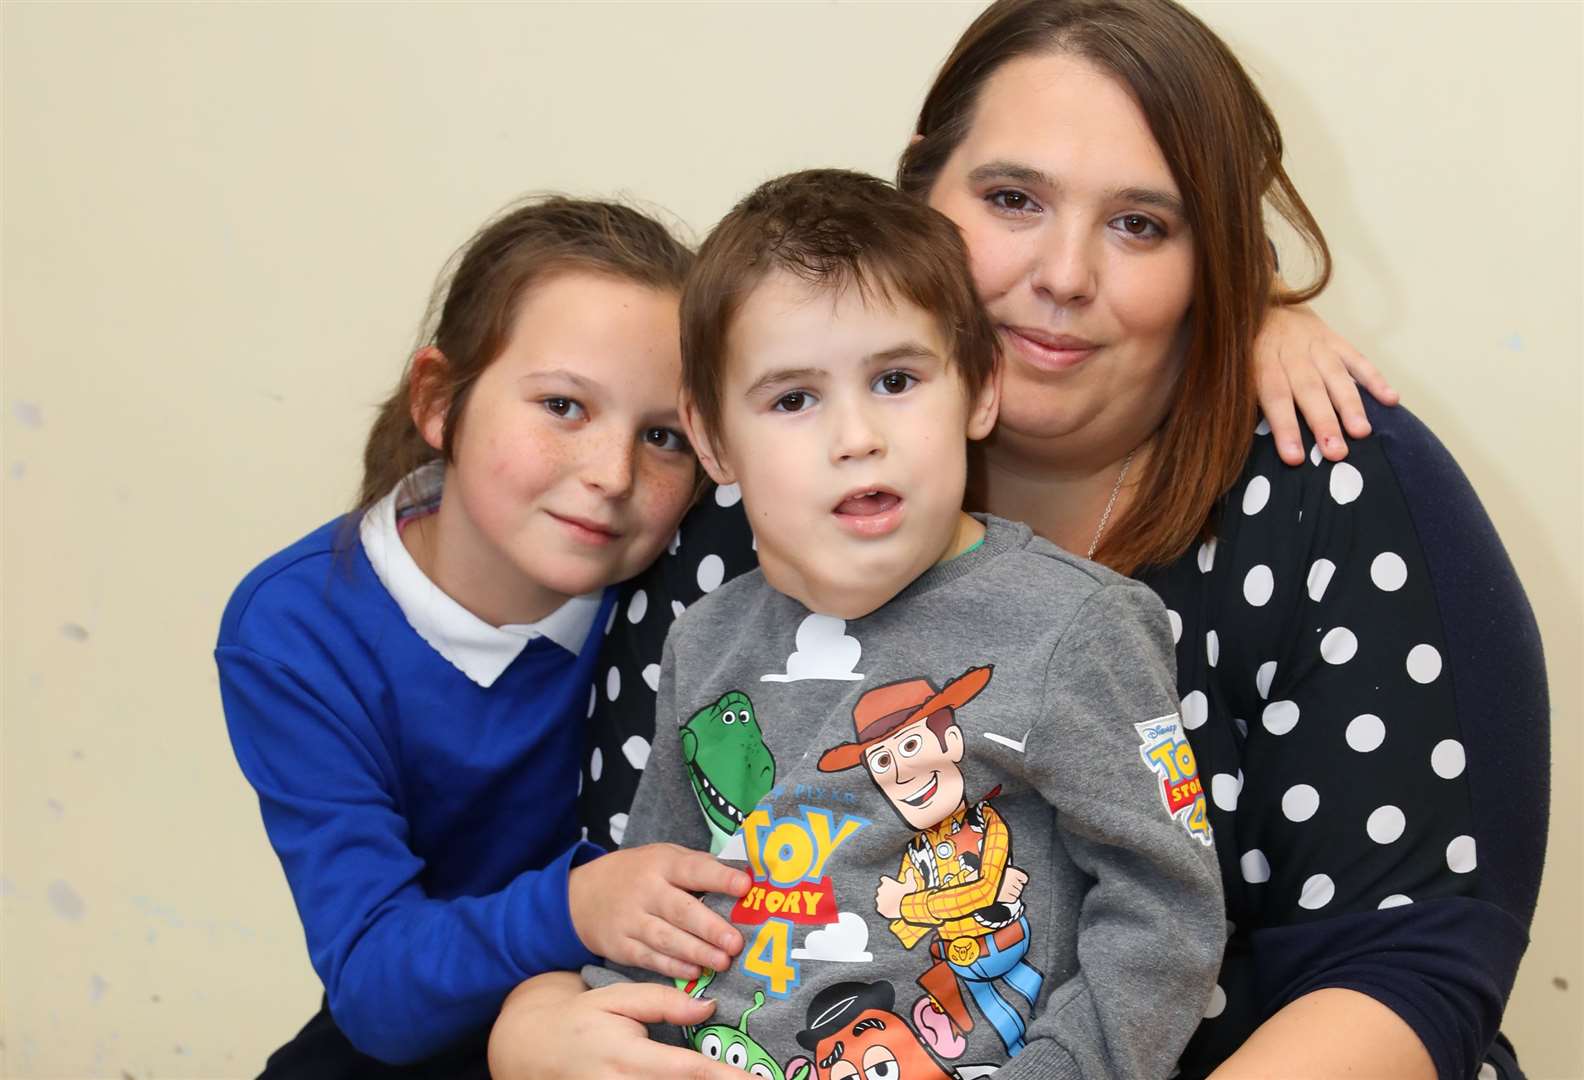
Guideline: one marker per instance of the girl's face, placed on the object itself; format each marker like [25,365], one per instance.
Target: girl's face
[1080,251]
[569,469]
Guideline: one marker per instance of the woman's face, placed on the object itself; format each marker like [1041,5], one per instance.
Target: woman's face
[1080,251]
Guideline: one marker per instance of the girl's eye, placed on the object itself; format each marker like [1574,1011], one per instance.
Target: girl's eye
[1013,202]
[1138,226]
[793,401]
[665,439]
[894,382]
[563,407]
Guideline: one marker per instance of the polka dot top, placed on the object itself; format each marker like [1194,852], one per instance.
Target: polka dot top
[1362,681]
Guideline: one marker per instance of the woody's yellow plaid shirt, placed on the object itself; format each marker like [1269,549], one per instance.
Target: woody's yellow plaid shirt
[950,908]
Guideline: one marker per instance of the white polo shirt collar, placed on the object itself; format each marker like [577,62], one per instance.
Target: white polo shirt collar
[474,647]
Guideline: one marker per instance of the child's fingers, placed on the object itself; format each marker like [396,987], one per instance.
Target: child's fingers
[635,952]
[1276,403]
[651,1003]
[687,913]
[1344,394]
[1313,400]
[1368,375]
[696,871]
[682,945]
[676,1063]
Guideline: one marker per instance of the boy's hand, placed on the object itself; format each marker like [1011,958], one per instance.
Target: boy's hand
[1300,361]
[637,907]
[552,1029]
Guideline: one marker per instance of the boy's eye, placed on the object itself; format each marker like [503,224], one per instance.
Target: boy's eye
[662,438]
[563,407]
[793,401]
[894,382]
[1138,226]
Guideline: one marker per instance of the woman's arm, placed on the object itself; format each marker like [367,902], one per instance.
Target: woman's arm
[1327,1034]
[553,1028]
[1299,360]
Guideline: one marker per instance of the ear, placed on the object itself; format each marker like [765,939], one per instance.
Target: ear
[954,743]
[426,380]
[986,405]
[703,445]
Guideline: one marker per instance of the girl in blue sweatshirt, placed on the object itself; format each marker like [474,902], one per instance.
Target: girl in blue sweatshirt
[406,686]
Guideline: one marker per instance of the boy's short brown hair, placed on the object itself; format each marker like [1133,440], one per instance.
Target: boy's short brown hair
[833,229]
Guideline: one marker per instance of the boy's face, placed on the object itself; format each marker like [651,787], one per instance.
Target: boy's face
[846,425]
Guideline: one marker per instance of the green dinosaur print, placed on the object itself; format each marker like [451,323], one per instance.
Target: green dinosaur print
[728,763]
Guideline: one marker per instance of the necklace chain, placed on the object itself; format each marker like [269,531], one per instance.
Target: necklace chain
[1105,515]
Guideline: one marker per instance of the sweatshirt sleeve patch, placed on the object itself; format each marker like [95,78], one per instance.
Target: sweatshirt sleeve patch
[1165,751]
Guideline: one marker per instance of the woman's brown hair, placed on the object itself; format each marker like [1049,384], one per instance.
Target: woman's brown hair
[471,311]
[1224,149]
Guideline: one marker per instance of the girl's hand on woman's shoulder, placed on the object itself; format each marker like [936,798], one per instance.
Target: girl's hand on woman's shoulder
[1300,361]
[552,1028]
[637,907]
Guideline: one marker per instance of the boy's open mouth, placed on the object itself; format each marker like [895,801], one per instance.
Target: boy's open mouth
[868,503]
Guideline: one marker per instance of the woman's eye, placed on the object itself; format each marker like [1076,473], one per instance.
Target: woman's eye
[1139,226]
[1015,202]
[894,382]
[665,439]
[563,407]
[793,401]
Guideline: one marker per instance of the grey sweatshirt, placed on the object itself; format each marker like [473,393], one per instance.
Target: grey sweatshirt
[975,828]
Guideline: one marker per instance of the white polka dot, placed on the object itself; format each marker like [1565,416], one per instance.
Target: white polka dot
[1255,867]
[1207,555]
[636,751]
[1280,717]
[1212,648]
[711,572]
[1256,495]
[1300,802]
[1366,732]
[1385,824]
[1487,1071]
[677,608]
[1176,625]
[1263,678]
[1263,427]
[618,827]
[1258,584]
[728,495]
[1217,1003]
[593,698]
[1394,900]
[1314,457]
[1195,709]
[610,621]
[1338,646]
[1241,725]
[1447,759]
[1319,577]
[613,683]
[1424,663]
[1388,571]
[580,792]
[1224,790]
[676,542]
[1317,892]
[651,676]
[638,607]
[1460,855]
[596,764]
[1346,483]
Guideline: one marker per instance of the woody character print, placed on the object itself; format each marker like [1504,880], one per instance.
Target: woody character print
[956,885]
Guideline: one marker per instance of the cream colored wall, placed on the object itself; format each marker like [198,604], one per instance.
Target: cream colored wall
[219,226]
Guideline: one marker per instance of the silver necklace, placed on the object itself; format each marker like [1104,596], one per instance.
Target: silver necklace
[1105,515]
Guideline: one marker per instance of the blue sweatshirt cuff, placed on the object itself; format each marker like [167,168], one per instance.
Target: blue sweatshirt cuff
[542,935]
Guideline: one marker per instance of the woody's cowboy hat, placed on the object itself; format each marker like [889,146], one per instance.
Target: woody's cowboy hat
[887,709]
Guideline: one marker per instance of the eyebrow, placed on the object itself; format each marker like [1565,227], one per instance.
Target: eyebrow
[1027,174]
[570,376]
[906,350]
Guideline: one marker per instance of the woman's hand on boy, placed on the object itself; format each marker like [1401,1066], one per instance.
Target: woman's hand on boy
[552,1028]
[637,907]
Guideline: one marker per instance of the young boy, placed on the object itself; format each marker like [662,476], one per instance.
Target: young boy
[869,720]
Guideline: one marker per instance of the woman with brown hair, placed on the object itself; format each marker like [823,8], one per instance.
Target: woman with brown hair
[1359,670]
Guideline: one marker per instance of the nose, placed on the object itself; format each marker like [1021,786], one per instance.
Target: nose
[611,466]
[1066,270]
[856,432]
